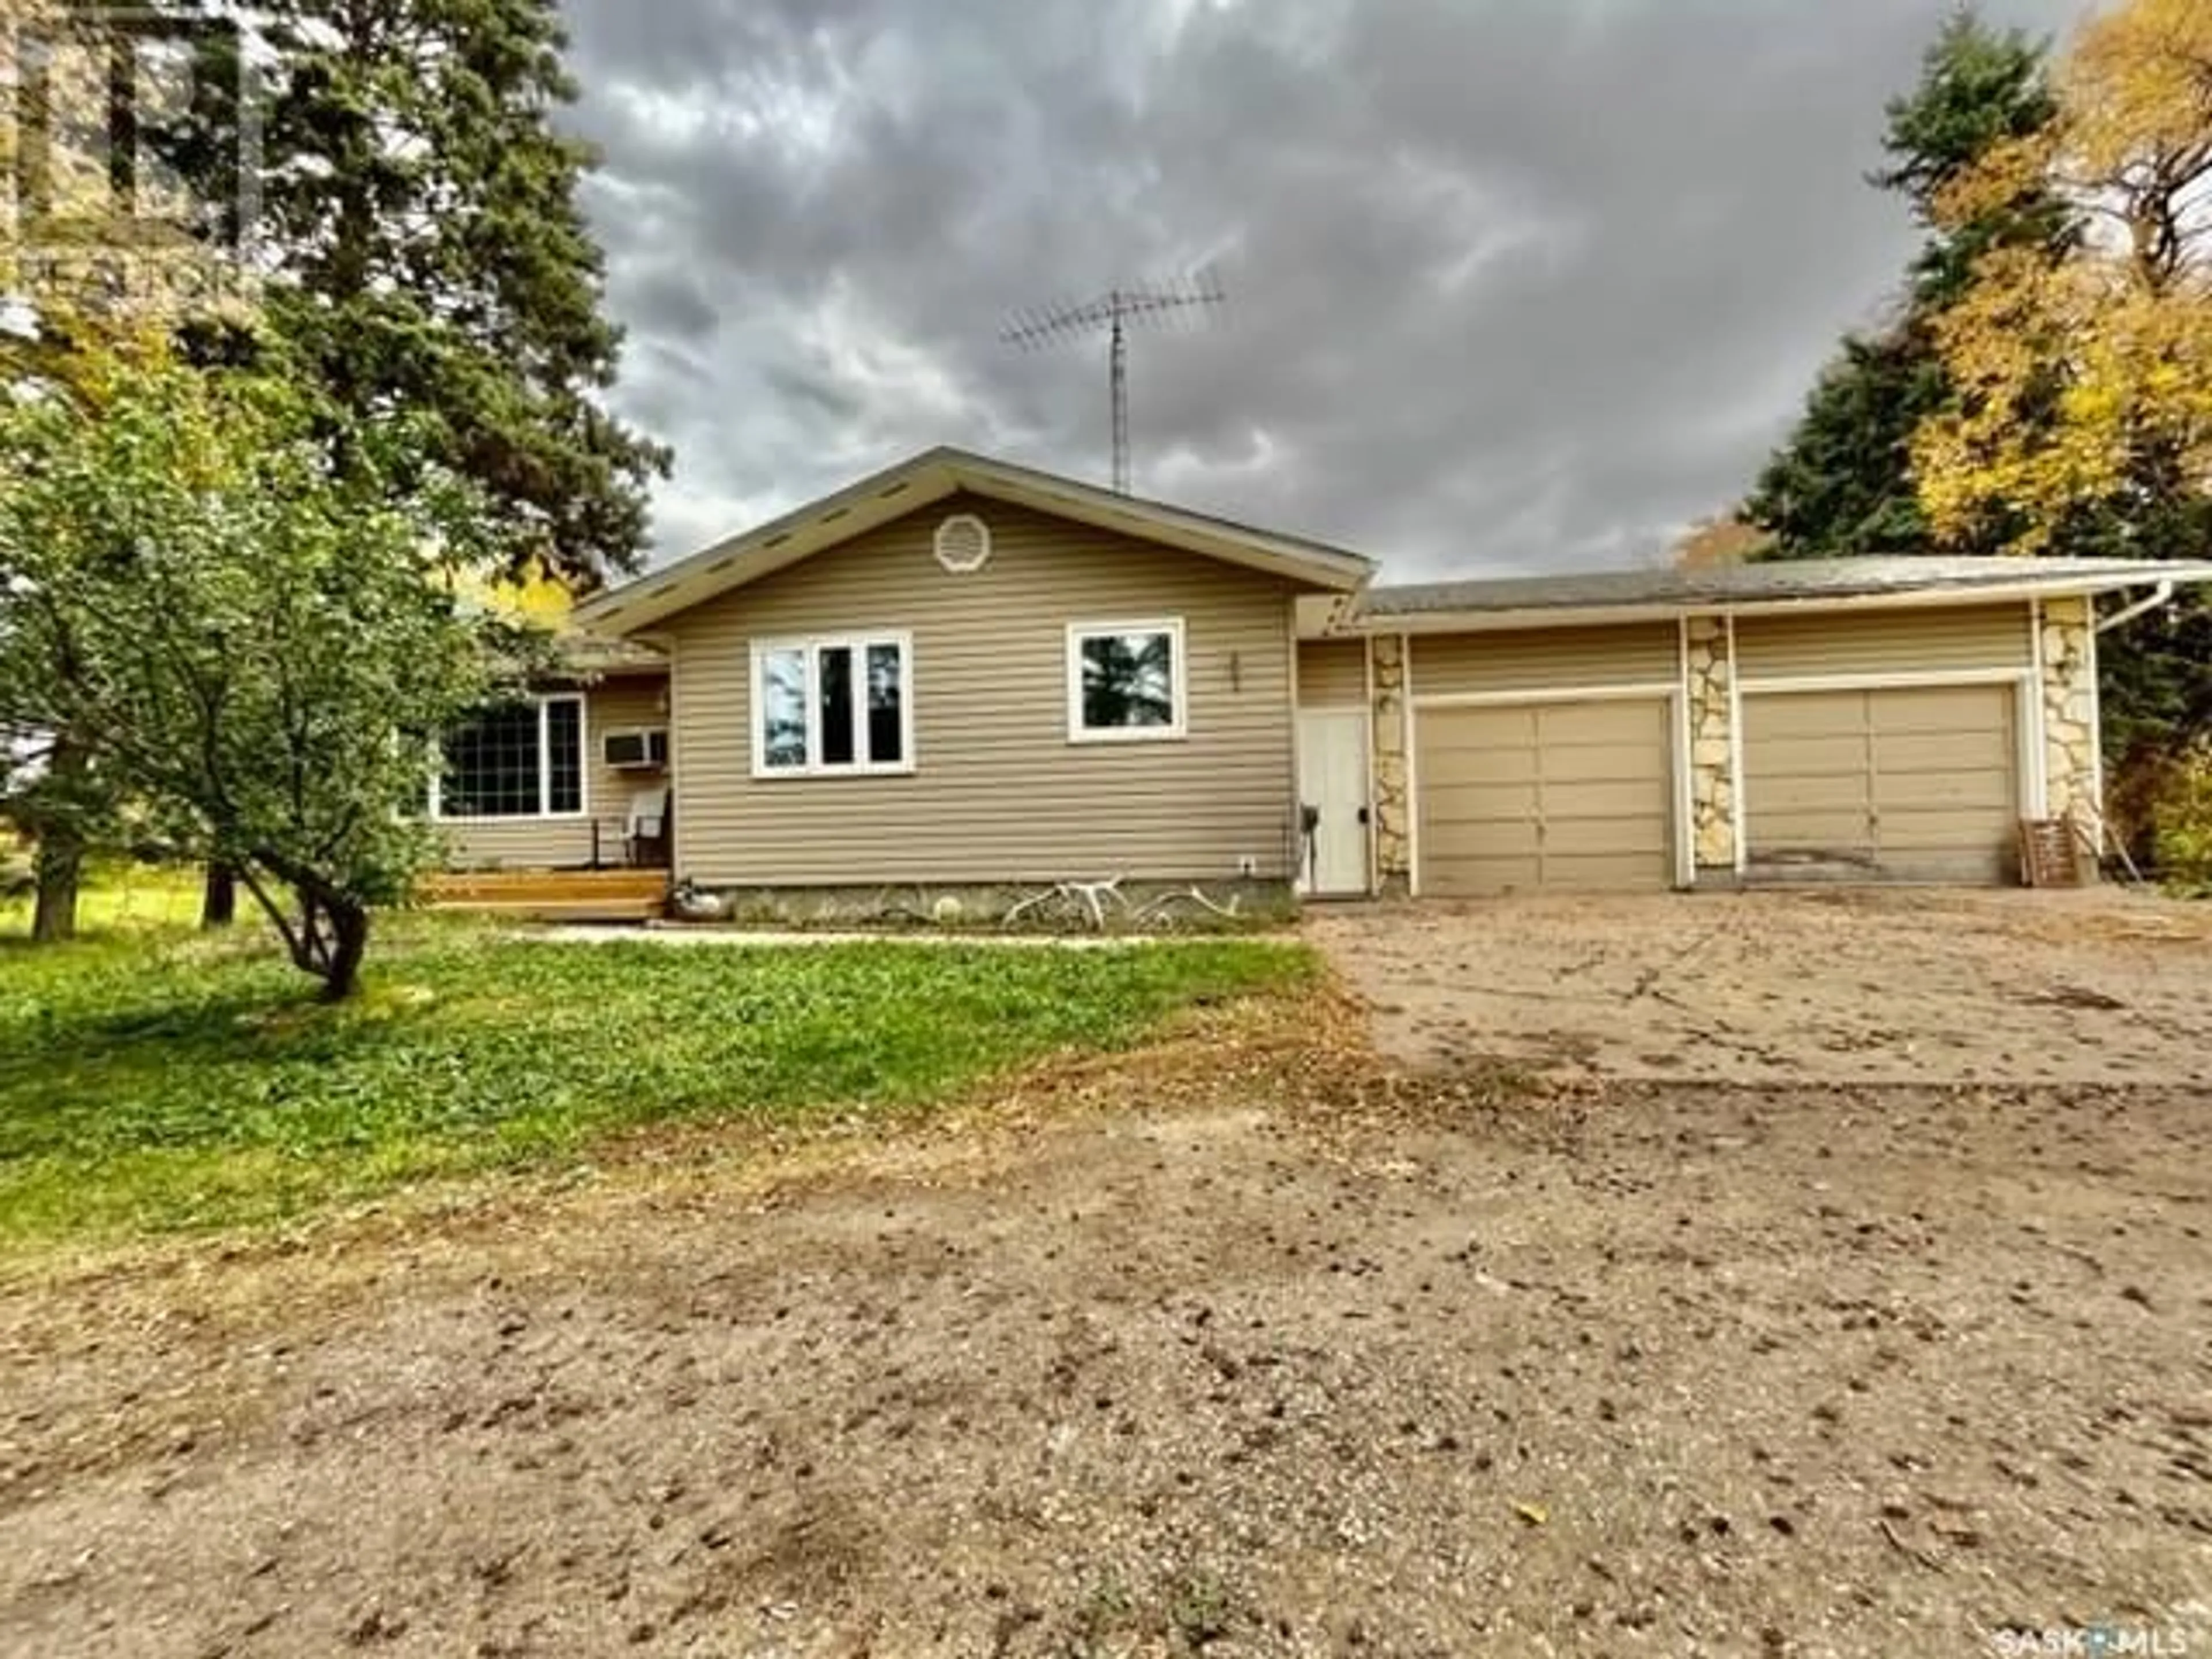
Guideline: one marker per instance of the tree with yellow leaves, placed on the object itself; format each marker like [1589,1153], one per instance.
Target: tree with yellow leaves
[2085,371]
[2083,423]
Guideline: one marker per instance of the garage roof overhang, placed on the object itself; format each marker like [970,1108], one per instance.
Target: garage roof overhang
[1797,588]
[932,477]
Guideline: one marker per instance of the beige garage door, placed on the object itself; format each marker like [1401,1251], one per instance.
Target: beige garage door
[1562,795]
[1919,785]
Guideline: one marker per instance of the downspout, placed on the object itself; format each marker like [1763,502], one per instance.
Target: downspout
[2159,595]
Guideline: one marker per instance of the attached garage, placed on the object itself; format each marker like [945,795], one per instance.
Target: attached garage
[1886,718]
[1525,796]
[1909,783]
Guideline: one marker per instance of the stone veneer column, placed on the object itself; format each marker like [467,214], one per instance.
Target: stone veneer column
[1394,840]
[1712,745]
[2069,712]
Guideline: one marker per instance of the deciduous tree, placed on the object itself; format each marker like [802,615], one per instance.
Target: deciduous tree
[261,648]
[2084,420]
[93,275]
[2078,374]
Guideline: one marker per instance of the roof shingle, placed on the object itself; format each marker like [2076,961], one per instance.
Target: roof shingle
[1783,581]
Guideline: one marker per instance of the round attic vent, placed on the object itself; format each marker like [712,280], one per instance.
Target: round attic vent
[964,544]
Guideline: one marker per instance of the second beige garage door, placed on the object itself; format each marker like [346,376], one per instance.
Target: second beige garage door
[1919,784]
[1562,795]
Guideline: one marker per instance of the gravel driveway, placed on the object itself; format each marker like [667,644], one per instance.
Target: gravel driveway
[1903,985]
[1255,1343]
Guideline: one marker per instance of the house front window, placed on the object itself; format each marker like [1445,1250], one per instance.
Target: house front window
[833,707]
[523,760]
[1125,681]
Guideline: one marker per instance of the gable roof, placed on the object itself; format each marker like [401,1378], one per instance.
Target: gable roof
[1667,591]
[931,477]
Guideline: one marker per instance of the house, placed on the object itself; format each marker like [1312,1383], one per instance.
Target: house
[961,680]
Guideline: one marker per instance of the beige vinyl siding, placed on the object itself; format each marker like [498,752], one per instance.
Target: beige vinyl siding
[998,792]
[1518,797]
[613,705]
[1918,641]
[1332,674]
[1545,660]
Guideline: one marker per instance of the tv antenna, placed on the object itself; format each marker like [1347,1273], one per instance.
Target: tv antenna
[1115,312]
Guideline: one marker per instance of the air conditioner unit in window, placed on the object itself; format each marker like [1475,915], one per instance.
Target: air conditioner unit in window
[636,752]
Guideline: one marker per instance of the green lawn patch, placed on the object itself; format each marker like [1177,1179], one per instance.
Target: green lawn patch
[160,1082]
[120,896]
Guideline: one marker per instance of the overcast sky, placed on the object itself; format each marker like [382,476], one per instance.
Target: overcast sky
[1514,284]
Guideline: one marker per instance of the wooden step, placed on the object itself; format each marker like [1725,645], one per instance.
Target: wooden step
[569,911]
[568,894]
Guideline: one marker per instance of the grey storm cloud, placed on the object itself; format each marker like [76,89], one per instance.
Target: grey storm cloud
[1514,284]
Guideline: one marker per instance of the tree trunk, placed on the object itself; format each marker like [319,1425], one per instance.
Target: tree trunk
[349,941]
[328,937]
[59,869]
[219,897]
[59,866]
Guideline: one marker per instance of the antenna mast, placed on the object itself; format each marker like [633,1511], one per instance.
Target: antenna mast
[1115,312]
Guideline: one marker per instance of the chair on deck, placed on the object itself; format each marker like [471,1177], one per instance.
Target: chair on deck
[645,835]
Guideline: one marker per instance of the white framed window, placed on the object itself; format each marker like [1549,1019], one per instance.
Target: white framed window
[839,706]
[1125,681]
[520,760]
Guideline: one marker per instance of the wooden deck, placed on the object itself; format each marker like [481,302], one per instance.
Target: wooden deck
[552,894]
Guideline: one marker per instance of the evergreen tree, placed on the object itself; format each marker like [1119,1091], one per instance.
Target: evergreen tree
[1979,90]
[426,252]
[1842,483]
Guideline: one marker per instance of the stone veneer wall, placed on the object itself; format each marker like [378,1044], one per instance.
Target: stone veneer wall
[1712,745]
[1394,835]
[2069,711]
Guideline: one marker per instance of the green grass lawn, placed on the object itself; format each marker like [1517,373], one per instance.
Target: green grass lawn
[120,897]
[159,1081]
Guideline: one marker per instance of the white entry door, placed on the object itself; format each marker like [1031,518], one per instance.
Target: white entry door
[1333,794]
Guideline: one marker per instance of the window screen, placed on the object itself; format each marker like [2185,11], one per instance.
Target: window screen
[886,705]
[783,709]
[564,756]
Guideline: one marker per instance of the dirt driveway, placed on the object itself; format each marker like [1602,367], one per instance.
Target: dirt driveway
[1250,1345]
[1900,986]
